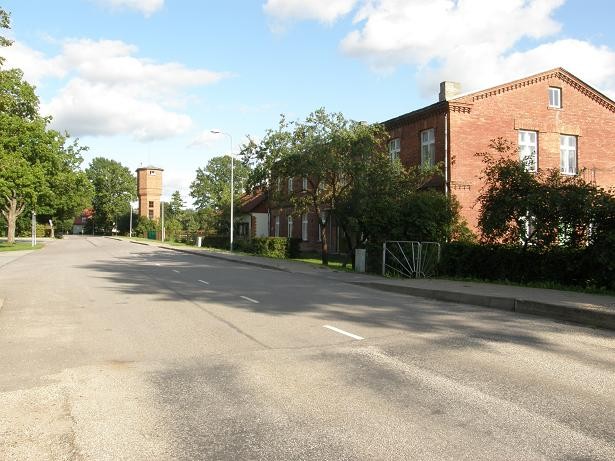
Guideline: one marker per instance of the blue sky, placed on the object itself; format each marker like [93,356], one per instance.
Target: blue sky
[144,81]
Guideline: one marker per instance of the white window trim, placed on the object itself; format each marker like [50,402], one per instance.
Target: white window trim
[305,184]
[565,149]
[277,226]
[290,185]
[558,91]
[428,147]
[394,148]
[304,227]
[290,226]
[532,164]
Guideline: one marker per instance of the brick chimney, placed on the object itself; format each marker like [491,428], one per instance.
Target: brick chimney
[449,90]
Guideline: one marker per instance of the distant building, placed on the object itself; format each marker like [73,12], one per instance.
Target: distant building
[80,221]
[556,119]
[149,191]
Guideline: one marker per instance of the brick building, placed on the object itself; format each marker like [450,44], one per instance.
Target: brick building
[149,190]
[557,120]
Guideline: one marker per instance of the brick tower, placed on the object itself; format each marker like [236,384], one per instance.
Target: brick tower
[149,190]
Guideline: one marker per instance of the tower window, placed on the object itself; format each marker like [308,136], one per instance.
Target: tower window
[151,204]
[152,172]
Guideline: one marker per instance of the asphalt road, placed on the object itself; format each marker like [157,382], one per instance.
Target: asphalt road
[111,350]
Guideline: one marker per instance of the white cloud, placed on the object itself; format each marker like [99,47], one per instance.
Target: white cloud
[205,138]
[147,7]
[108,90]
[472,41]
[326,11]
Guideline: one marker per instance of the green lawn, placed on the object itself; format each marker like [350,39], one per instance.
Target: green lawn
[19,246]
[335,262]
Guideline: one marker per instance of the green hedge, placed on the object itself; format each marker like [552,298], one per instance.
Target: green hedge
[585,267]
[272,247]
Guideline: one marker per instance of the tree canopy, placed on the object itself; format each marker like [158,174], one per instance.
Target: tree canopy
[114,186]
[40,169]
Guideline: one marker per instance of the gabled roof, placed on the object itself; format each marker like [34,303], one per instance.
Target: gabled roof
[464,102]
[558,72]
[249,202]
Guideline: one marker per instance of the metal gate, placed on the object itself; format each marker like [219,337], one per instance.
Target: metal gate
[410,259]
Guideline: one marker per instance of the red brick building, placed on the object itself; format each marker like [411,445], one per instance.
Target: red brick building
[556,119]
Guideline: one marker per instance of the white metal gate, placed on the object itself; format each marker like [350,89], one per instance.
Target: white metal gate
[410,259]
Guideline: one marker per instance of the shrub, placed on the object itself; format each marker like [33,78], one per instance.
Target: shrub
[273,247]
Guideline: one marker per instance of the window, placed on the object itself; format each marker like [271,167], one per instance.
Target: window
[290,185]
[305,184]
[152,172]
[150,214]
[323,216]
[555,97]
[394,148]
[528,149]
[290,226]
[151,204]
[568,154]
[428,147]
[277,226]
[304,227]
[278,184]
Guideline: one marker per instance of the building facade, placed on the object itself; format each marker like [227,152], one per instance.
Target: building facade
[149,191]
[555,119]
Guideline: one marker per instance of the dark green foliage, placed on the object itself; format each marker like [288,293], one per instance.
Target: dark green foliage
[271,247]
[559,265]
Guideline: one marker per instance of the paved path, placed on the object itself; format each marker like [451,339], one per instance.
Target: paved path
[125,351]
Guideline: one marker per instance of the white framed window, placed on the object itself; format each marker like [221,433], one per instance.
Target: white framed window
[305,184]
[290,226]
[568,154]
[555,97]
[278,184]
[290,185]
[394,148]
[152,172]
[428,147]
[528,149]
[304,227]
[277,226]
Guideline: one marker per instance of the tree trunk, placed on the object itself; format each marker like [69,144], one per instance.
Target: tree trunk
[11,212]
[324,245]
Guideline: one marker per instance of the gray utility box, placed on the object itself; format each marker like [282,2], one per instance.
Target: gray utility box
[359,260]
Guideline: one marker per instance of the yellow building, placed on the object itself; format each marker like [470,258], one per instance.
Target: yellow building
[149,191]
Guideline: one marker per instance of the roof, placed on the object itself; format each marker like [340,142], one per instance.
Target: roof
[250,201]
[464,101]
[558,72]
[149,167]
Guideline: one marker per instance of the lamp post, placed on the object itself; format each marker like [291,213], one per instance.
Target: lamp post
[232,179]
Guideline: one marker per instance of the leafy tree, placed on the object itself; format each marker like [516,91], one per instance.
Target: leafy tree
[39,170]
[174,208]
[542,209]
[327,149]
[211,189]
[114,188]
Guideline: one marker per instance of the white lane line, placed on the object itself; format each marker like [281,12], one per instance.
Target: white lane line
[249,299]
[157,264]
[176,271]
[203,281]
[353,336]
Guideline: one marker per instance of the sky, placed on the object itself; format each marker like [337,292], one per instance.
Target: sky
[144,82]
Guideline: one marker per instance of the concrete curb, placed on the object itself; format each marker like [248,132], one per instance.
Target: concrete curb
[595,317]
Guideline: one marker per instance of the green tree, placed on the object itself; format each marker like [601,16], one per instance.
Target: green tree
[211,190]
[39,170]
[114,188]
[542,209]
[174,207]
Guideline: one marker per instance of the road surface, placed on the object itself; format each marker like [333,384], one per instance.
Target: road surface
[111,350]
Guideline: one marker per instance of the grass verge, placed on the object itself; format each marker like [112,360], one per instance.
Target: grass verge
[19,246]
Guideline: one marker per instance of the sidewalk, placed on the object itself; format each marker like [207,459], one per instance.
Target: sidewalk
[583,308]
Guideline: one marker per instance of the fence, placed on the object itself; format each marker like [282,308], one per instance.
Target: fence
[410,259]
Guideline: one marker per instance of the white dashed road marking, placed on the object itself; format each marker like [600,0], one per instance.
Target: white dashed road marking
[249,299]
[353,336]
[203,281]
[176,271]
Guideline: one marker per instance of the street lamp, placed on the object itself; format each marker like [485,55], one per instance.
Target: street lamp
[232,179]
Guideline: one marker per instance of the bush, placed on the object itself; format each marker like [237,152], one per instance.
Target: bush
[272,247]
[557,265]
